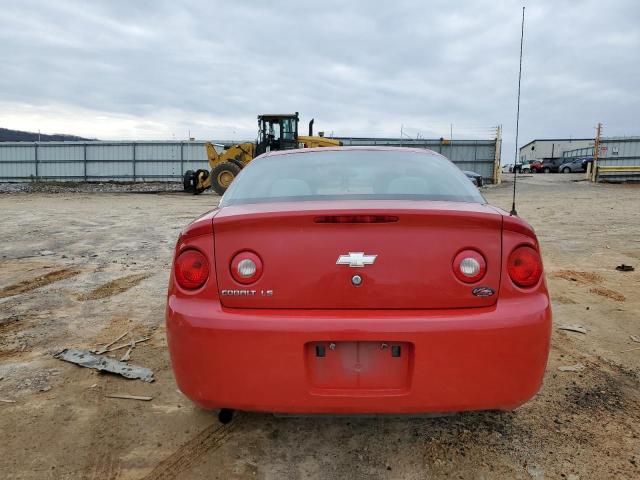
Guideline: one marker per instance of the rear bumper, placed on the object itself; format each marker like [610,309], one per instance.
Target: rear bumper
[263,360]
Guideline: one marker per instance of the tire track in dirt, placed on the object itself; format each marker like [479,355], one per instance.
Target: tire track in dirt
[608,293]
[38,282]
[601,386]
[586,278]
[211,438]
[106,468]
[114,287]
[589,278]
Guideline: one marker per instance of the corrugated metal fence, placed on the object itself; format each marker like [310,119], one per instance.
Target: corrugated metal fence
[480,156]
[99,161]
[167,161]
[619,159]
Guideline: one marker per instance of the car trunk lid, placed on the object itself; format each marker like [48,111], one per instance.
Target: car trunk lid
[403,254]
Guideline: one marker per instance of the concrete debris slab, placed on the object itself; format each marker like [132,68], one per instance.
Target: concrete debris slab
[573,328]
[46,253]
[5,400]
[634,338]
[84,358]
[578,367]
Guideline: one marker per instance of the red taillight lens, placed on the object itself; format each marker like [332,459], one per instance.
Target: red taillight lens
[191,269]
[525,267]
[246,267]
[469,266]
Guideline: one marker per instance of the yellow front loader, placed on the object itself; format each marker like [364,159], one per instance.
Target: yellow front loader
[276,132]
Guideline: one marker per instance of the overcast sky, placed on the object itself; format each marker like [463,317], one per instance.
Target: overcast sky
[155,70]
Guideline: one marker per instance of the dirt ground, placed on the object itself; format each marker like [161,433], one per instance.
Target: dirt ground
[78,269]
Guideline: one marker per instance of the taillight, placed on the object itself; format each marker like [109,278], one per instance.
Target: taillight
[524,266]
[469,266]
[191,269]
[246,267]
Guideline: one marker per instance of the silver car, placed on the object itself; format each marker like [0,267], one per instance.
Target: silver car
[572,166]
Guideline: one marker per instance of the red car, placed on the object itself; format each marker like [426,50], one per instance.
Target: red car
[536,166]
[357,280]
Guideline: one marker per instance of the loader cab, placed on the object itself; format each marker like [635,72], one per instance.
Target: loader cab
[277,132]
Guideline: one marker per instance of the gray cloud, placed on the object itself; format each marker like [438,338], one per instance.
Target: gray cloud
[123,69]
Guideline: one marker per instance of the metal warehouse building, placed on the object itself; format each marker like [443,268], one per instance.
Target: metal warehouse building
[168,160]
[540,149]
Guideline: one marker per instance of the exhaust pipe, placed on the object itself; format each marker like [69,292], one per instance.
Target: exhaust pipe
[311,128]
[225,415]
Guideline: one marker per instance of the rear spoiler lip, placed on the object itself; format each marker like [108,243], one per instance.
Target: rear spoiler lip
[515,224]
[203,225]
[355,207]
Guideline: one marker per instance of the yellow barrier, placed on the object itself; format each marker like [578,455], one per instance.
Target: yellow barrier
[604,172]
[619,168]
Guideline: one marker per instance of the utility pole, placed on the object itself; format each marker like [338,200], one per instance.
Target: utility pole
[596,152]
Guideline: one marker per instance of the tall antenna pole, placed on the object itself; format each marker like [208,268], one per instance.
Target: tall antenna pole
[515,159]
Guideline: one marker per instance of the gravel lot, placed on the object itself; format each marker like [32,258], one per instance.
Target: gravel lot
[79,267]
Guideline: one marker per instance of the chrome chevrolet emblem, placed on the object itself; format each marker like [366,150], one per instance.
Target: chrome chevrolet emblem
[356,259]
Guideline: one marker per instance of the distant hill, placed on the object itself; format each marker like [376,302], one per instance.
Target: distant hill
[7,135]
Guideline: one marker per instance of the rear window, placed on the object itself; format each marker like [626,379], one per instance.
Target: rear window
[351,174]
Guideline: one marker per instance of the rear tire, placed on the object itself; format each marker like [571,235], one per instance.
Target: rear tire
[566,170]
[188,181]
[238,163]
[200,176]
[222,175]
[547,170]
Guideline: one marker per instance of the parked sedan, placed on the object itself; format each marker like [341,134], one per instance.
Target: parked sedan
[524,167]
[536,166]
[328,282]
[572,166]
[551,165]
[475,178]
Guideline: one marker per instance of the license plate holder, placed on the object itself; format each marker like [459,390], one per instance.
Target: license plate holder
[366,365]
